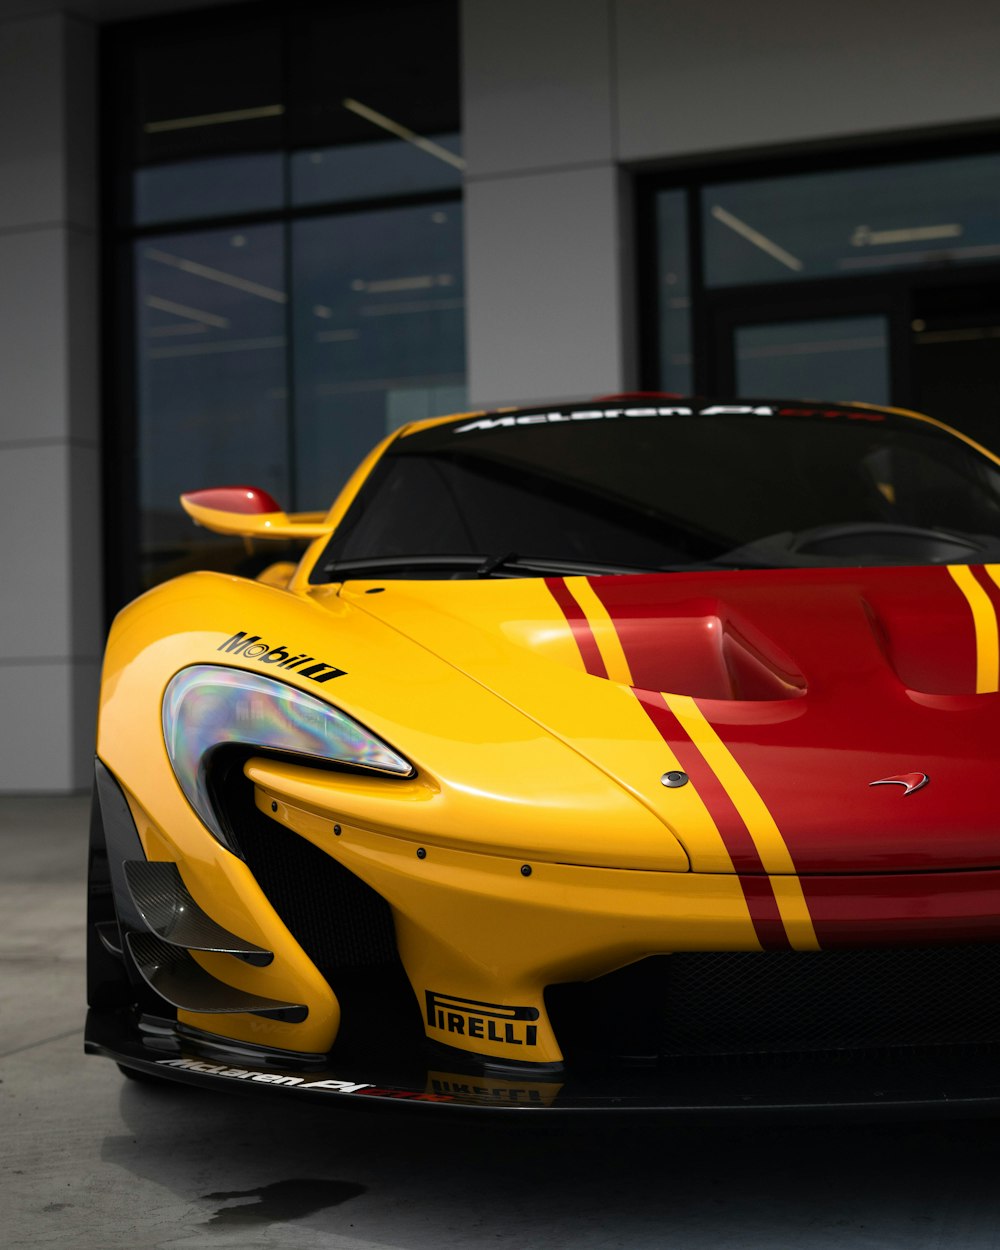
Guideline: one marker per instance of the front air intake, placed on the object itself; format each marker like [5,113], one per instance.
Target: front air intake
[345,928]
[731,1003]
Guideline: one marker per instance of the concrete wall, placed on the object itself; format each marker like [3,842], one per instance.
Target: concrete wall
[544,203]
[560,94]
[50,603]
[702,78]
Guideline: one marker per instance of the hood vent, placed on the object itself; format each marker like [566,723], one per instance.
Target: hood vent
[704,650]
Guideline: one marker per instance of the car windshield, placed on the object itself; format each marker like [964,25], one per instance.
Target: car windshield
[612,489]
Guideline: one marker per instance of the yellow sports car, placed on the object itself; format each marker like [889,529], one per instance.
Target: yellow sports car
[630,754]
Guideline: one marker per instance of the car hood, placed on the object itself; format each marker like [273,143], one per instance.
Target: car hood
[785,696]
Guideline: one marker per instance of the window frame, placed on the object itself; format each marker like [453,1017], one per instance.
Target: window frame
[121,505]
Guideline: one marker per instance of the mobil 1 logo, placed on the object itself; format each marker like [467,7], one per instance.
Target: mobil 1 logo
[251,647]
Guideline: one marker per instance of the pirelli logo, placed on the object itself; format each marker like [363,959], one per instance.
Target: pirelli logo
[250,647]
[492,1022]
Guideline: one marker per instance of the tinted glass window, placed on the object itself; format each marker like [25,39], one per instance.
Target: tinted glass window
[379,333]
[674,293]
[837,359]
[852,221]
[785,486]
[372,124]
[211,364]
[286,199]
[211,186]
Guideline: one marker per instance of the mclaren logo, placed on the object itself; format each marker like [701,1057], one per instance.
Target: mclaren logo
[263,1077]
[251,647]
[610,414]
[911,782]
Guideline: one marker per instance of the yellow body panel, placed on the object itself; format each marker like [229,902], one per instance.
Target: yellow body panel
[479,928]
[224,887]
[489,777]
[496,789]
[512,636]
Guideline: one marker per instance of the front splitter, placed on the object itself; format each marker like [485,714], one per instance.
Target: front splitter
[937,1081]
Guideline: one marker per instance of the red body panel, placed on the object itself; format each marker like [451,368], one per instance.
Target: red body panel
[920,908]
[820,682]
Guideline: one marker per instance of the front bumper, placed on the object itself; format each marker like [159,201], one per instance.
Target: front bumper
[945,1083]
[478,1033]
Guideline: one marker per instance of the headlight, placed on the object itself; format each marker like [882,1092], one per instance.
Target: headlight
[208,706]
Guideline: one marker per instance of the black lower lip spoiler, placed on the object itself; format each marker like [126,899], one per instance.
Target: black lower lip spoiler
[948,1081]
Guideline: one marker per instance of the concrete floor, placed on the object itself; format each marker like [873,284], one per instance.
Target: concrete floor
[90,1160]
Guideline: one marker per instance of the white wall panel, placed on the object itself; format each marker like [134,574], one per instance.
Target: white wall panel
[36,621]
[701,78]
[538,83]
[34,348]
[31,137]
[543,286]
[79,119]
[85,581]
[82,345]
[48,745]
[49,362]
[50,622]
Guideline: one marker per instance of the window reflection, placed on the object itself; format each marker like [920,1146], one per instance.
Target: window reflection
[211,86]
[221,186]
[852,221]
[366,171]
[211,379]
[841,359]
[674,293]
[287,114]
[379,333]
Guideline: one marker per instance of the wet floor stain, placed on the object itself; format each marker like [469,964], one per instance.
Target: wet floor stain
[279,1202]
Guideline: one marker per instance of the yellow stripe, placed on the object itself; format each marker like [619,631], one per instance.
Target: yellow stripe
[605,634]
[984,620]
[766,836]
[794,913]
[774,854]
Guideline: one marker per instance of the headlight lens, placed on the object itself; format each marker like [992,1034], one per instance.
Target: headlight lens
[208,706]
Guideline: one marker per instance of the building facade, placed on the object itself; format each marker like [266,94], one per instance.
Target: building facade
[776,198]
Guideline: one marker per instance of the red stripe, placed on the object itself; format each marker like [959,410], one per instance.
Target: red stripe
[987,583]
[757,889]
[764,913]
[578,623]
[756,886]
[729,822]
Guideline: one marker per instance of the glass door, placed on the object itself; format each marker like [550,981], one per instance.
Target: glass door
[956,358]
[808,344]
[824,358]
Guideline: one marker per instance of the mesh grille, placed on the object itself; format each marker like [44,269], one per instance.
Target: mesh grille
[728,1003]
[338,920]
